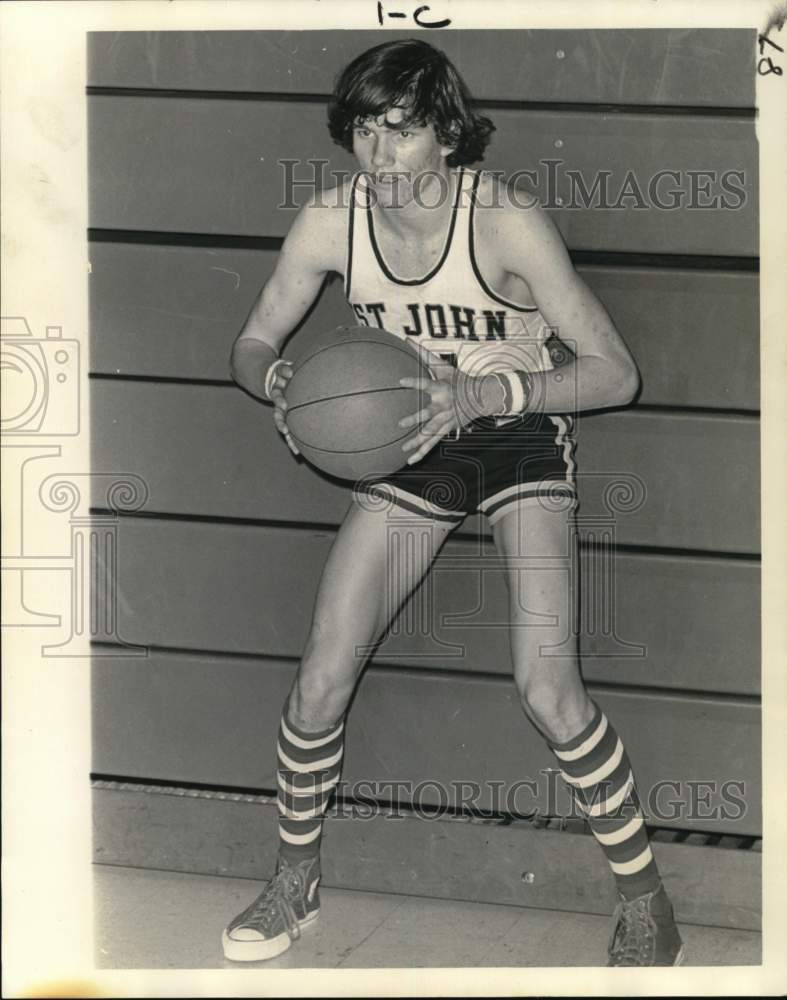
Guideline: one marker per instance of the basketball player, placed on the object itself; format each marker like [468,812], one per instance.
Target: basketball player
[442,256]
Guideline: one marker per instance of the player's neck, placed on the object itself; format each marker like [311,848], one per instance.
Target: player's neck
[424,216]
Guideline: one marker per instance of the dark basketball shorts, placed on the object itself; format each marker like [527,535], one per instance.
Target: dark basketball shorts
[491,469]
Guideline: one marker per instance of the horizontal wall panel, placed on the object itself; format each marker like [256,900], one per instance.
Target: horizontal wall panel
[154,827]
[695,335]
[231,153]
[640,206]
[678,623]
[175,311]
[418,728]
[694,67]
[682,463]
[192,165]
[214,450]
[206,450]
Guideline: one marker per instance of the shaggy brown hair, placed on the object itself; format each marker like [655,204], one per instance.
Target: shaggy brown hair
[419,77]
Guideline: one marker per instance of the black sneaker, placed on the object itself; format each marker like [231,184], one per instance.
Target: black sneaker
[644,931]
[274,920]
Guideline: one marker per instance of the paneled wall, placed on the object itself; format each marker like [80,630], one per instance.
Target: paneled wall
[218,570]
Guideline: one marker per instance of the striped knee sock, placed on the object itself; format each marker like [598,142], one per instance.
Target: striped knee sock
[308,771]
[597,768]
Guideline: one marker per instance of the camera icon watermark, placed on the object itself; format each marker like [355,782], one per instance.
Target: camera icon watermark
[40,380]
[41,404]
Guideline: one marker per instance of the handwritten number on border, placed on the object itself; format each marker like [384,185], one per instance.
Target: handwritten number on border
[766,65]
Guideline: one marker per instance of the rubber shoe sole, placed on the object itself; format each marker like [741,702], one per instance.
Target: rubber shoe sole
[259,951]
[680,956]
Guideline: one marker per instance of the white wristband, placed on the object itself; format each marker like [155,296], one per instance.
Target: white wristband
[502,412]
[516,391]
[271,375]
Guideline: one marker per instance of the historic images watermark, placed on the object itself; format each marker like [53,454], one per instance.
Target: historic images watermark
[667,801]
[550,184]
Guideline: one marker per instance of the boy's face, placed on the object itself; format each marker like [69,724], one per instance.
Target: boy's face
[396,157]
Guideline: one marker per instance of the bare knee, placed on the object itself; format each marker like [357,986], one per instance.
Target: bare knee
[559,710]
[318,706]
[324,683]
[318,700]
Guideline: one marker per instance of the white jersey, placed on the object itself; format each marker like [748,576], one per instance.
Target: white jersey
[451,310]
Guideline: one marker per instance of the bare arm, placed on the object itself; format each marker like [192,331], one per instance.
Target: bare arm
[603,372]
[284,300]
[600,372]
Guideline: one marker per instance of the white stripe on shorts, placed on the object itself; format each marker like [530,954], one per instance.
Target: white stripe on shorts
[541,492]
[412,500]
[563,440]
[509,491]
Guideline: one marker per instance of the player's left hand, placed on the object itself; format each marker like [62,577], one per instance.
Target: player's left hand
[454,402]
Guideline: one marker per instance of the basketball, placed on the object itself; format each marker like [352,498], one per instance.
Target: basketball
[344,401]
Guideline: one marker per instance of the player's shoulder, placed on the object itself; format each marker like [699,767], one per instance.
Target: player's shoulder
[503,205]
[325,206]
[320,226]
[512,223]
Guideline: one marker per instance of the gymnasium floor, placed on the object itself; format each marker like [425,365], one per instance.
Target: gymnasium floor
[166,920]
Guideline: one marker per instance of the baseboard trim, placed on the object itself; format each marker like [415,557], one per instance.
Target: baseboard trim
[519,864]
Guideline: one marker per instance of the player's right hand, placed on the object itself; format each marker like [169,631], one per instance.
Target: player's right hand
[282,377]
